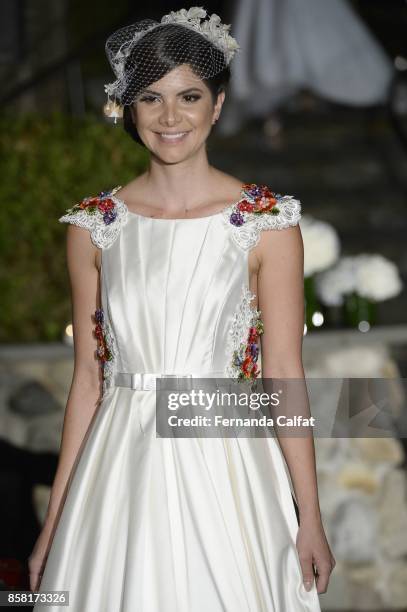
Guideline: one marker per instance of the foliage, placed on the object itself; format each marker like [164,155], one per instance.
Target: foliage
[47,165]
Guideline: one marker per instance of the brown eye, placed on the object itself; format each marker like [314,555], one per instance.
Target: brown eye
[148,99]
[191,97]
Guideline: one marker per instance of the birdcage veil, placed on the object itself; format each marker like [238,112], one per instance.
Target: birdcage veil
[144,52]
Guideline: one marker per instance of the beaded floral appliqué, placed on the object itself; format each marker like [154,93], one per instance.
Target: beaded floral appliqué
[243,344]
[106,351]
[260,208]
[102,215]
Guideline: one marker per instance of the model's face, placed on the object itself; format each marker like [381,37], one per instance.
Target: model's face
[174,115]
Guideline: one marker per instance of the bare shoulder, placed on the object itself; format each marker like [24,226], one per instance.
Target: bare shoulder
[228,185]
[79,238]
[80,247]
[132,190]
[287,243]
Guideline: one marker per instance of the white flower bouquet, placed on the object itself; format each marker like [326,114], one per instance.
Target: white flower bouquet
[357,283]
[371,276]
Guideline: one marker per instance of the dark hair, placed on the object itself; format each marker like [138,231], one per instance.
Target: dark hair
[162,47]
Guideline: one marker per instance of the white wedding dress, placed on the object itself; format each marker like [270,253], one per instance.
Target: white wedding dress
[156,524]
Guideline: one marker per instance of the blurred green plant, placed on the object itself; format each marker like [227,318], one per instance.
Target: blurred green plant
[48,164]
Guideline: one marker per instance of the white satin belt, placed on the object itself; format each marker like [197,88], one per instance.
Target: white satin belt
[147,381]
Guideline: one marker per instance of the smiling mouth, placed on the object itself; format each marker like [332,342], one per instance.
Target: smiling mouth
[172,136]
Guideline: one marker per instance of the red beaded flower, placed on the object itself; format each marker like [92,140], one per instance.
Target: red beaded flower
[245,205]
[88,203]
[264,204]
[101,204]
[258,199]
[105,205]
[246,357]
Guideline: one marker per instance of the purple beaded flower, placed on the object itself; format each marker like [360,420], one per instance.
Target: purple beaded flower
[109,217]
[236,218]
[99,315]
[253,191]
[254,351]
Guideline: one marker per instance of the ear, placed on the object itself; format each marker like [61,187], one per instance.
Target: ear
[218,106]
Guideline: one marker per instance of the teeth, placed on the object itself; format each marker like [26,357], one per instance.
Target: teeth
[172,136]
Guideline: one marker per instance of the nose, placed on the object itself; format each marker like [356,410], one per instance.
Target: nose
[169,115]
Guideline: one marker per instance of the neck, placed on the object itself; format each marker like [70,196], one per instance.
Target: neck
[179,186]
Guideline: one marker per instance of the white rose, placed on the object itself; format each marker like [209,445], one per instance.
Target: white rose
[214,19]
[321,244]
[196,12]
[232,44]
[377,278]
[332,284]
[176,17]
[109,88]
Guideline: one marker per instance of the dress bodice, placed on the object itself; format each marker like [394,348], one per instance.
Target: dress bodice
[175,294]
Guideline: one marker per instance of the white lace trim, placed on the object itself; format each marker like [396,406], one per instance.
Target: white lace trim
[102,234]
[245,316]
[247,235]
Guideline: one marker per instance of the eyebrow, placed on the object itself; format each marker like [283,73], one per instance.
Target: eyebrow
[181,93]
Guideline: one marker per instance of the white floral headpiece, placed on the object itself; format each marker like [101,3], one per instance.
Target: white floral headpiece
[120,44]
[213,29]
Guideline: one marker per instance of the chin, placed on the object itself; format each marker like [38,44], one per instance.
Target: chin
[173,155]
[175,158]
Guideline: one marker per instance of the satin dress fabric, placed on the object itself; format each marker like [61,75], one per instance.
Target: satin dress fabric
[155,524]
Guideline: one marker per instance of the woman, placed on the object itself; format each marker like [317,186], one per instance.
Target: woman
[169,265]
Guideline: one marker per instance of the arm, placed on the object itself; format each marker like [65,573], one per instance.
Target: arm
[281,300]
[85,391]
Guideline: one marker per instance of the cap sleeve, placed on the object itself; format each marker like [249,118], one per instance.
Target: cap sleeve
[260,209]
[103,215]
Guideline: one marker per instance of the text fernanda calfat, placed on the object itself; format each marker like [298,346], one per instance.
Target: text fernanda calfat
[219,420]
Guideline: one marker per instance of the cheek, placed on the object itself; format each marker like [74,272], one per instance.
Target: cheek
[200,117]
[144,116]
[139,118]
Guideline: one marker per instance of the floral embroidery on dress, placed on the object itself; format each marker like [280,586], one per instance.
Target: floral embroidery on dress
[102,215]
[260,208]
[106,351]
[243,344]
